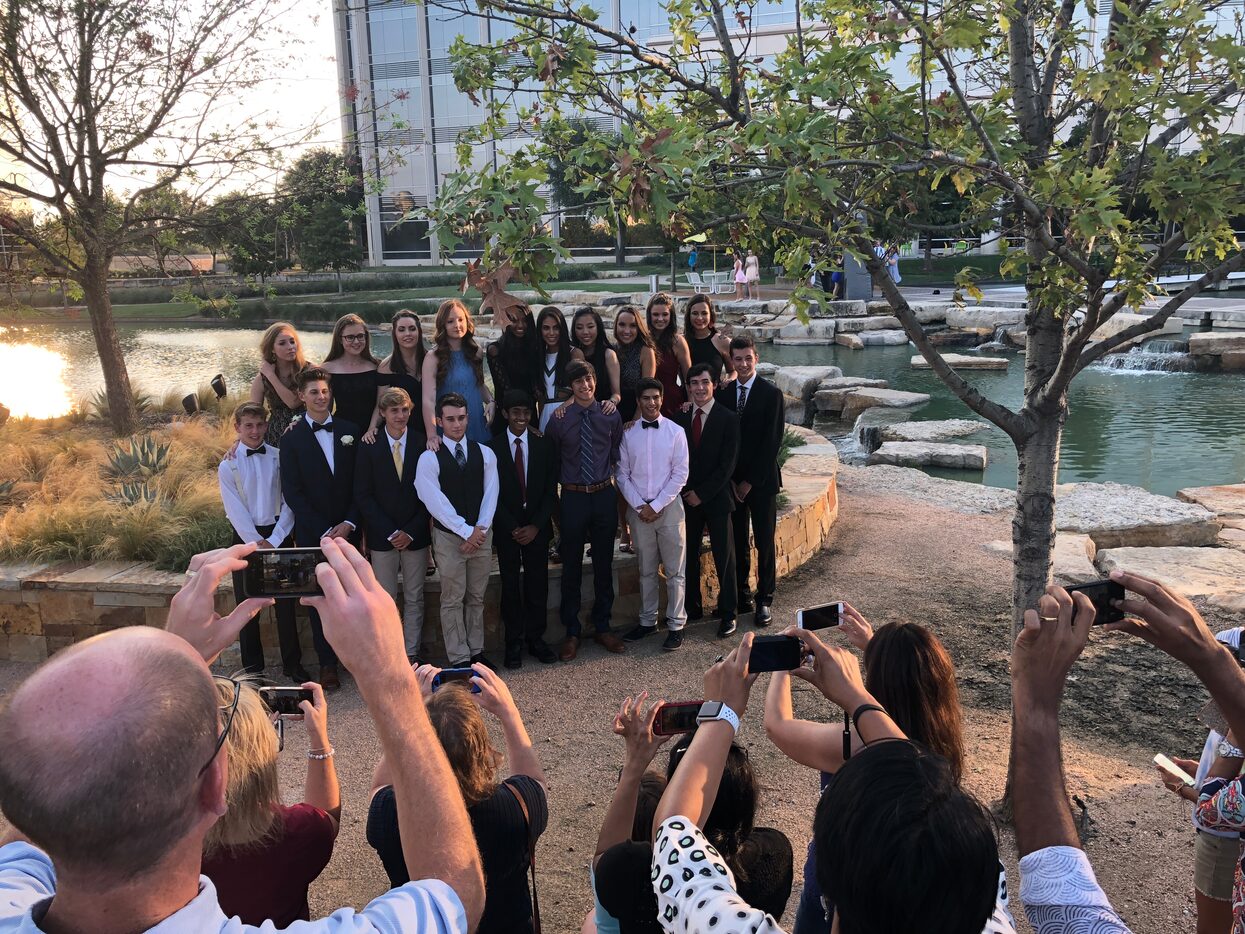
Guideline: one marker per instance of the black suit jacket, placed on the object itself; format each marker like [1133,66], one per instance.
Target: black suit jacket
[387,502]
[319,498]
[542,484]
[760,434]
[713,462]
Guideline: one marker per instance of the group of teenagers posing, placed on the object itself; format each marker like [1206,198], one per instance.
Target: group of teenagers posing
[670,435]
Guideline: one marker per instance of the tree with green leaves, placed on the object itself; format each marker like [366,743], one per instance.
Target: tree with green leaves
[327,239]
[813,149]
[248,229]
[104,106]
[318,176]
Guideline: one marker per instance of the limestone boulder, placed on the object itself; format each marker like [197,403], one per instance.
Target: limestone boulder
[1214,574]
[883,338]
[844,309]
[1124,319]
[983,316]
[1072,560]
[933,430]
[1227,501]
[931,454]
[800,382]
[873,323]
[850,341]
[767,369]
[852,382]
[817,329]
[961,337]
[1228,318]
[1216,343]
[831,394]
[1231,538]
[910,483]
[930,312]
[858,400]
[964,362]
[1117,516]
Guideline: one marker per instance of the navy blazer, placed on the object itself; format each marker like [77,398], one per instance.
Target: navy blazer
[387,502]
[713,462]
[320,498]
[761,426]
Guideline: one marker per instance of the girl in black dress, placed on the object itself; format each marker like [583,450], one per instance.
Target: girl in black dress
[513,362]
[401,369]
[588,337]
[275,385]
[353,369]
[706,343]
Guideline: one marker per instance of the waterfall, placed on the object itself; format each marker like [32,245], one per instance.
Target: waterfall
[1000,334]
[1160,356]
[1165,346]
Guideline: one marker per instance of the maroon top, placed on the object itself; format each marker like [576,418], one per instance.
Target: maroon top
[269,882]
[672,394]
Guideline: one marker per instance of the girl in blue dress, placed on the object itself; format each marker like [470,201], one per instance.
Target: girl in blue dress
[456,364]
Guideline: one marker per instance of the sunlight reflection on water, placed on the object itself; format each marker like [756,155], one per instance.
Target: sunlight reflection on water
[32,381]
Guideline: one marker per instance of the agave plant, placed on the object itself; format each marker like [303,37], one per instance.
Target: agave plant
[98,404]
[145,457]
[6,490]
[132,494]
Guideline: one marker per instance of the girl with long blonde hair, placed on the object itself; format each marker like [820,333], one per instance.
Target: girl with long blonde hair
[276,383]
[456,364]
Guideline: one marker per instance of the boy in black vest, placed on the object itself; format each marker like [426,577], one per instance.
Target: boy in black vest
[458,484]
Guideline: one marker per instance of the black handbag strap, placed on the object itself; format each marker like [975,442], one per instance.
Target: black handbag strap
[531,854]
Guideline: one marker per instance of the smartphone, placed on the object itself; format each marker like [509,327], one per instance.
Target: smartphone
[285,701]
[676,717]
[284,573]
[447,675]
[1173,770]
[825,616]
[1101,594]
[775,653]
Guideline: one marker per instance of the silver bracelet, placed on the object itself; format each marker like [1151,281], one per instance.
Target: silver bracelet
[320,756]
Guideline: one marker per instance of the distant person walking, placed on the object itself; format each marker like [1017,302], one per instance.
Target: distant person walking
[741,277]
[752,272]
[692,259]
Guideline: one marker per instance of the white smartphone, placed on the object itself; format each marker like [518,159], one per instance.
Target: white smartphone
[1173,770]
[825,616]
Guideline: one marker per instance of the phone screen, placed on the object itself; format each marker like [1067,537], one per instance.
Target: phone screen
[673,719]
[775,653]
[1101,594]
[825,616]
[448,675]
[285,701]
[283,573]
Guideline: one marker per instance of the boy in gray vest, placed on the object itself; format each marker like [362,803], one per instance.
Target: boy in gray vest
[458,484]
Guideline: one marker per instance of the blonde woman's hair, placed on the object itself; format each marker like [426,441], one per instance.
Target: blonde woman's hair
[252,797]
[268,344]
[462,732]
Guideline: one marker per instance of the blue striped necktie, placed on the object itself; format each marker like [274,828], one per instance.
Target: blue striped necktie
[585,447]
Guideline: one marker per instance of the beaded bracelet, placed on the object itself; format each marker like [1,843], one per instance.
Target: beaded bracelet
[320,756]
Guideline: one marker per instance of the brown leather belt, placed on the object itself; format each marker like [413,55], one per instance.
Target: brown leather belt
[590,488]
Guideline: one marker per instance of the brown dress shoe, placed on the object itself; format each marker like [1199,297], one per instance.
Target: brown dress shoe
[610,642]
[328,678]
[570,648]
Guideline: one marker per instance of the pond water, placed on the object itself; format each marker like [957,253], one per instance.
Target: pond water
[1159,430]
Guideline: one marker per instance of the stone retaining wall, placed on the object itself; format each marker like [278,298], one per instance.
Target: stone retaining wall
[50,605]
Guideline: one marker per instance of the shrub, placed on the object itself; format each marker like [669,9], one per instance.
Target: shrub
[143,457]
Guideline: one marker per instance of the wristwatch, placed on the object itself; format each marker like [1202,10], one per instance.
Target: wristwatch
[716,710]
[1225,749]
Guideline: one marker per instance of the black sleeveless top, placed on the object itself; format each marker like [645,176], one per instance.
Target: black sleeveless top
[703,351]
[462,486]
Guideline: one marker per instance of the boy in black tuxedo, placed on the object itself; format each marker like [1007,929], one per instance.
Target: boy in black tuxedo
[317,480]
[398,527]
[713,444]
[527,494]
[757,478]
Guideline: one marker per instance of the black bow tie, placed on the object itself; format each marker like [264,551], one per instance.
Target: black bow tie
[649,424]
[251,452]
[317,426]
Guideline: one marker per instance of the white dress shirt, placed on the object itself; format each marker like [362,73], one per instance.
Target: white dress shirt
[706,409]
[324,439]
[511,438]
[652,464]
[250,488]
[428,485]
[28,883]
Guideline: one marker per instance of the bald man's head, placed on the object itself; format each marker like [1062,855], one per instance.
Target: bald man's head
[102,748]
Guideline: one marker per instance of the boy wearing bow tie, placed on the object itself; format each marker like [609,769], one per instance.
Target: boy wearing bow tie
[250,488]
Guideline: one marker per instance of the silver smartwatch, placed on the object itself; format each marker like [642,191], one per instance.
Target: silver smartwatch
[716,710]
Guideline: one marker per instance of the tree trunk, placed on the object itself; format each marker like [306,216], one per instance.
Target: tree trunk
[1033,525]
[121,408]
[339,281]
[620,245]
[929,252]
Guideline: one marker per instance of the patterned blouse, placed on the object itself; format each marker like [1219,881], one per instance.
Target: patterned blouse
[1221,806]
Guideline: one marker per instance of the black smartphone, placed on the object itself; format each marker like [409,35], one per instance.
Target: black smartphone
[448,675]
[1101,594]
[285,701]
[775,653]
[284,573]
[676,717]
[825,616]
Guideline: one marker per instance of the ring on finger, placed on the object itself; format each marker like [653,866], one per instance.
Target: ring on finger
[720,658]
[1049,619]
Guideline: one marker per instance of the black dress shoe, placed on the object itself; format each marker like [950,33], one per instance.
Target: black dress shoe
[298,674]
[694,613]
[482,660]
[636,633]
[763,616]
[726,628]
[745,605]
[674,639]
[541,652]
[514,657]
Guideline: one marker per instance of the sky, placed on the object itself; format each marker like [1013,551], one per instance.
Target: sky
[309,95]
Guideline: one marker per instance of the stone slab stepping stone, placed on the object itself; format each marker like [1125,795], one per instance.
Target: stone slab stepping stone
[1116,516]
[800,382]
[850,341]
[872,323]
[882,338]
[1072,561]
[983,316]
[832,393]
[816,328]
[858,400]
[767,369]
[1226,501]
[1126,319]
[933,431]
[964,362]
[908,482]
[842,309]
[931,454]
[1215,574]
[1215,344]
[803,342]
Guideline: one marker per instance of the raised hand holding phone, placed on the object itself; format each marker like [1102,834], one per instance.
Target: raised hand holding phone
[854,627]
[192,611]
[729,680]
[835,671]
[637,727]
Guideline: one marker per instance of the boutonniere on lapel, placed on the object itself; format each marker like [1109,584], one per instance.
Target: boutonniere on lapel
[347,440]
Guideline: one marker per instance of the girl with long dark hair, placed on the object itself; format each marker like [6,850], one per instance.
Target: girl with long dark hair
[512,361]
[402,368]
[353,369]
[456,364]
[588,336]
[705,342]
[673,356]
[556,352]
